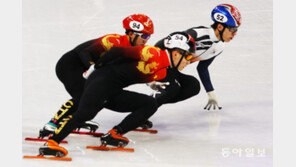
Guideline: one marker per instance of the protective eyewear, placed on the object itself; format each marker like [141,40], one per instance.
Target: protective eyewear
[187,55]
[143,35]
[232,29]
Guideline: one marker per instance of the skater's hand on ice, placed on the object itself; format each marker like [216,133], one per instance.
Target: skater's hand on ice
[157,86]
[87,73]
[213,102]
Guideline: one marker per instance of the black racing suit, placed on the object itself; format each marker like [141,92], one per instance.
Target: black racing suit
[181,86]
[69,70]
[106,85]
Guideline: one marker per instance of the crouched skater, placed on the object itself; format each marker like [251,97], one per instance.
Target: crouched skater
[115,70]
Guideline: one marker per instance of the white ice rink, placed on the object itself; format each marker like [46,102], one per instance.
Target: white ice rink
[240,135]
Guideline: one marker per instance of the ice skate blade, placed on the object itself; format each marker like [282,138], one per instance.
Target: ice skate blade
[96,134]
[44,157]
[41,140]
[105,148]
[146,130]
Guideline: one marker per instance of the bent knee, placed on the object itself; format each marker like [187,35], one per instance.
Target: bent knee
[195,87]
[191,85]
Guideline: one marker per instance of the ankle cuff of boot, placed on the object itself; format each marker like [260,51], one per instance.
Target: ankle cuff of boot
[119,130]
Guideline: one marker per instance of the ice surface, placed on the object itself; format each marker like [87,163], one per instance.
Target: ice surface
[188,135]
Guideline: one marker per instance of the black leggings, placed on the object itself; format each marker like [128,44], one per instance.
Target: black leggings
[181,87]
[69,70]
[102,86]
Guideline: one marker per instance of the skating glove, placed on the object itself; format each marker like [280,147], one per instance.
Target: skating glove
[157,86]
[212,101]
[87,73]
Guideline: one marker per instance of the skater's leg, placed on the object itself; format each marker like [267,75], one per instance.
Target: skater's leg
[139,113]
[185,87]
[165,96]
[128,101]
[141,107]
[69,71]
[190,87]
[91,102]
[98,88]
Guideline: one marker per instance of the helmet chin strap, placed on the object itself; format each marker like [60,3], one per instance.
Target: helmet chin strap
[180,60]
[221,33]
[133,42]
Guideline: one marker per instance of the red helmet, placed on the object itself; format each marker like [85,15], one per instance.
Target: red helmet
[139,23]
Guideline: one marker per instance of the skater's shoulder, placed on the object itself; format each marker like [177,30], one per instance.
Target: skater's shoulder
[111,40]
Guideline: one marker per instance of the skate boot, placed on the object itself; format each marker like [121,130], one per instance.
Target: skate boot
[90,125]
[52,148]
[47,130]
[113,138]
[147,125]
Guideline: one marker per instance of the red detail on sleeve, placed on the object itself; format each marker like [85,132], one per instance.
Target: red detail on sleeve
[114,40]
[160,74]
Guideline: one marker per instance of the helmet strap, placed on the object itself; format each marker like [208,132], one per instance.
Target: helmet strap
[173,64]
[133,42]
[221,33]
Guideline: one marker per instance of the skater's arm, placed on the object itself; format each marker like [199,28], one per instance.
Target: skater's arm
[205,78]
[99,47]
[113,54]
[204,74]
[92,51]
[117,53]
